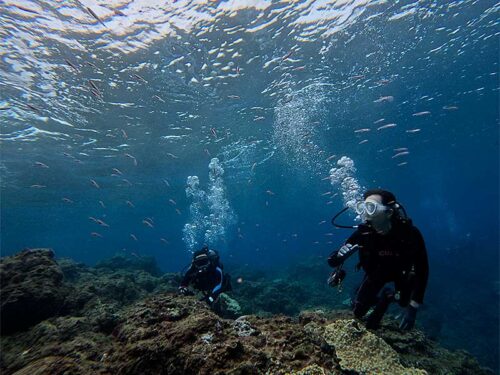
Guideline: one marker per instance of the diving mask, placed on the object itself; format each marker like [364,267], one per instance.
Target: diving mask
[369,207]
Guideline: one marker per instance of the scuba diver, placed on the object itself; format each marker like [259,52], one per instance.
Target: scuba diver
[205,274]
[391,249]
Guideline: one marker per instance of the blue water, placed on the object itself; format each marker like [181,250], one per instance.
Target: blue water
[278,92]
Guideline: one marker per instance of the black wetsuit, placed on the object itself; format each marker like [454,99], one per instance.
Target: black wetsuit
[399,256]
[211,281]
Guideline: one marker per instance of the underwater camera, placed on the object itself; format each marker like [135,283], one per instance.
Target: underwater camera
[336,277]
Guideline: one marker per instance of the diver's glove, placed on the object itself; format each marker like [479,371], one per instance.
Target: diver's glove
[345,249]
[408,320]
[208,299]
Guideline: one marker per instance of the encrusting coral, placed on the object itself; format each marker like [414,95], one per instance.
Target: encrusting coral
[112,320]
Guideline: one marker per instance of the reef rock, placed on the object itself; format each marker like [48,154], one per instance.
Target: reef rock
[30,289]
[363,352]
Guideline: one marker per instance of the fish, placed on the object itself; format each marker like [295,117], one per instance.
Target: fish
[207,152]
[253,166]
[387,126]
[94,183]
[133,237]
[233,97]
[31,106]
[400,149]
[117,171]
[382,99]
[149,224]
[102,204]
[102,223]
[379,121]
[132,157]
[237,70]
[364,130]
[130,204]
[359,76]
[413,130]
[139,78]
[450,108]
[91,64]
[423,113]
[164,241]
[403,163]
[322,222]
[270,192]
[26,9]
[383,82]
[330,157]
[402,153]
[124,133]
[298,68]
[329,234]
[259,118]
[67,200]
[127,182]
[93,85]
[119,13]
[158,98]
[363,141]
[166,182]
[214,133]
[95,234]
[71,64]
[327,193]
[172,201]
[40,164]
[93,219]
[172,155]
[4,108]
[178,211]
[97,94]
[95,16]
[287,56]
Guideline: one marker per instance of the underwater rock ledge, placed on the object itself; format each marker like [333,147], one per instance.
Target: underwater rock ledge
[61,317]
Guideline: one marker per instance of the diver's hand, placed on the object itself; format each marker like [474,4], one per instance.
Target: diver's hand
[208,299]
[344,250]
[408,321]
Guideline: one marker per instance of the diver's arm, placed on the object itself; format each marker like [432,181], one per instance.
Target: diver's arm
[421,270]
[339,256]
[187,278]
[218,288]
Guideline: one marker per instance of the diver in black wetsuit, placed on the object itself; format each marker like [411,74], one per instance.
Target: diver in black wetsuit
[206,275]
[391,249]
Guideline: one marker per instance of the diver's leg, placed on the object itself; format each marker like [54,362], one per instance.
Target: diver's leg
[366,296]
[387,296]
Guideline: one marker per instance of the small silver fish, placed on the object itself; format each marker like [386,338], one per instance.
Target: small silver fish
[92,13]
[387,126]
[40,164]
[402,153]
[423,113]
[384,99]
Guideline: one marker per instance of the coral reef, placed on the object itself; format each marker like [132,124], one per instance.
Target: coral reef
[363,352]
[30,289]
[124,318]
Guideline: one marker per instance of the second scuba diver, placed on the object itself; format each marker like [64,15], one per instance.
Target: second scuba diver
[391,249]
[207,276]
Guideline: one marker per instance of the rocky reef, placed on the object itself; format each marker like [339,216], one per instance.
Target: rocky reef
[123,317]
